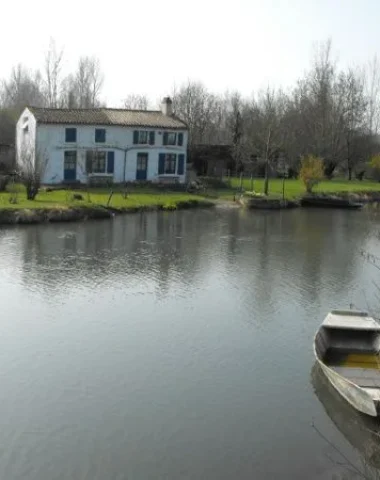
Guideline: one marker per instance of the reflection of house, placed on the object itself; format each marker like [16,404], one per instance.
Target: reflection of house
[117,144]
[212,160]
[7,157]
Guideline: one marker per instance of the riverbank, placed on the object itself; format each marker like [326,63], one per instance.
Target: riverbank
[66,205]
[28,216]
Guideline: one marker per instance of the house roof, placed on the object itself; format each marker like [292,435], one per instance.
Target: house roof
[107,116]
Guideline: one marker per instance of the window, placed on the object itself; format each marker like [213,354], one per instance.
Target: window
[95,162]
[70,135]
[170,163]
[70,160]
[180,139]
[142,161]
[100,135]
[100,162]
[143,137]
[170,138]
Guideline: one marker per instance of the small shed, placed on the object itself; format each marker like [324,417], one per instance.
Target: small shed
[212,160]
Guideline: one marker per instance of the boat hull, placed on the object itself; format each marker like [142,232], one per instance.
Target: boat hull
[329,202]
[353,394]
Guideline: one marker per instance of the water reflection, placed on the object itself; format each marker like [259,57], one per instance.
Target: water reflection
[160,250]
[173,341]
[361,431]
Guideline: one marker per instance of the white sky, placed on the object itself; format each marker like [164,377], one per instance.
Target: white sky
[147,46]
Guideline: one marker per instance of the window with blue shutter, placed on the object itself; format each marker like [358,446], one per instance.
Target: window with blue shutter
[70,135]
[180,139]
[161,163]
[151,138]
[181,164]
[135,137]
[110,162]
[165,139]
[100,135]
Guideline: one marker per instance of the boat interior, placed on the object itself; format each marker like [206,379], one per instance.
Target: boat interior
[354,354]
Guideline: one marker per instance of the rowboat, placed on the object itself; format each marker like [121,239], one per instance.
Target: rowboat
[329,201]
[346,347]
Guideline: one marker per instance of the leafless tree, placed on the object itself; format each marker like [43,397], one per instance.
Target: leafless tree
[52,70]
[82,90]
[372,93]
[266,130]
[195,105]
[22,88]
[136,102]
[31,165]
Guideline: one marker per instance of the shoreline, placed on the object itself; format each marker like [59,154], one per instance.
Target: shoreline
[28,216]
[79,213]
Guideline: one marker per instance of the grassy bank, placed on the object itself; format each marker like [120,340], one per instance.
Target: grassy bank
[295,188]
[139,198]
[79,205]
[61,199]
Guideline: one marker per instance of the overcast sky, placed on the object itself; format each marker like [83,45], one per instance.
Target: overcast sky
[147,46]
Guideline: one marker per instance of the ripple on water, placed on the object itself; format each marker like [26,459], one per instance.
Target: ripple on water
[170,346]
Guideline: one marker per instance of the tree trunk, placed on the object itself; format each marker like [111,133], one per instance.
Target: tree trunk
[349,173]
[266,181]
[329,169]
[31,192]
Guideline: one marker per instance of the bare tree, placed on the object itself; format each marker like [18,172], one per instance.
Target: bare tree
[235,123]
[22,88]
[52,70]
[372,93]
[82,90]
[136,102]
[266,128]
[32,165]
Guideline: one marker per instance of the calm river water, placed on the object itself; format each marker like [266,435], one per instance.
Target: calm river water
[175,345]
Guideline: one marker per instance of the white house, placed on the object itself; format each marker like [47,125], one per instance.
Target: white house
[122,145]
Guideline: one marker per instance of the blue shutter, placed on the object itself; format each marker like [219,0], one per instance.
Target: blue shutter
[181,164]
[100,135]
[135,137]
[89,157]
[71,135]
[161,163]
[151,138]
[165,140]
[110,162]
[180,139]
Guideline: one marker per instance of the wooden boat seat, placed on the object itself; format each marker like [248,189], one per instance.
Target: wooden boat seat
[364,377]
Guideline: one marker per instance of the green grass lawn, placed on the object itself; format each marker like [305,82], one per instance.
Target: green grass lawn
[145,196]
[95,197]
[295,188]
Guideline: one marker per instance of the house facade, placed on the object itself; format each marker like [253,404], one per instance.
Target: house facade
[77,145]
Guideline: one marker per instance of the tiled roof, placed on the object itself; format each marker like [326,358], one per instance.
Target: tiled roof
[107,116]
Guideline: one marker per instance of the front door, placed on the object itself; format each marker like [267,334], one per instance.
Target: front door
[70,166]
[142,166]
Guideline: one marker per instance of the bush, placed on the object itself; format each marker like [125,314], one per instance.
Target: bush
[213,182]
[374,163]
[4,180]
[311,172]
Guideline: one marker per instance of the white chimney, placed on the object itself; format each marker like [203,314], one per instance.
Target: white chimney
[167,106]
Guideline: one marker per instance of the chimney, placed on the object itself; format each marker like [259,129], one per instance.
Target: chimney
[167,106]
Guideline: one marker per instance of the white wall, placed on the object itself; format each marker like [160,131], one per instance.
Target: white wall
[25,140]
[51,138]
